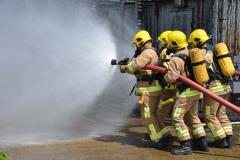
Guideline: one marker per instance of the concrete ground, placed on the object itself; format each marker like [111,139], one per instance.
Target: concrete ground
[126,144]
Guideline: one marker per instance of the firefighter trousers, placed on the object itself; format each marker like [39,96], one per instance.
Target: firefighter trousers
[148,110]
[164,111]
[216,118]
[186,107]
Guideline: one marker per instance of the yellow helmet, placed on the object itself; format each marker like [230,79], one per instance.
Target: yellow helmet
[177,40]
[198,37]
[163,38]
[141,38]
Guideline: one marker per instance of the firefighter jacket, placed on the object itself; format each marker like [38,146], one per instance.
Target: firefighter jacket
[175,69]
[146,83]
[215,84]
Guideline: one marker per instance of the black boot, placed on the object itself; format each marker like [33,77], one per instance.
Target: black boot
[185,148]
[147,137]
[167,139]
[229,140]
[221,143]
[200,144]
[163,142]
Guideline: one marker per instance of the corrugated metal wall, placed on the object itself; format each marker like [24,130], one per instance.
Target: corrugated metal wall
[220,18]
[162,16]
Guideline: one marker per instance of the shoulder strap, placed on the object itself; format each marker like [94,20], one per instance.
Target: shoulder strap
[216,73]
[187,65]
[184,57]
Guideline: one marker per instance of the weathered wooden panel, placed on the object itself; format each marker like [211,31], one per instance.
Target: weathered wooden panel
[222,20]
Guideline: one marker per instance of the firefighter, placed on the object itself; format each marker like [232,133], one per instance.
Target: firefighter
[215,113]
[148,87]
[164,53]
[168,93]
[163,40]
[186,104]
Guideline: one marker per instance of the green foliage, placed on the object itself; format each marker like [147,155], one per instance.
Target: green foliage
[3,155]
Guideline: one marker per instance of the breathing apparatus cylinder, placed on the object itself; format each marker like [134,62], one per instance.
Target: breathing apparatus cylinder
[199,66]
[224,60]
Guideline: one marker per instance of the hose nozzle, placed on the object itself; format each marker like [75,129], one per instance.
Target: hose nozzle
[122,62]
[113,62]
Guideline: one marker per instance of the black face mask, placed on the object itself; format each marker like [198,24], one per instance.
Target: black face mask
[190,46]
[170,50]
[137,52]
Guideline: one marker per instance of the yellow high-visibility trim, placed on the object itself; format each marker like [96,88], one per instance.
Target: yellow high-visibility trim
[144,72]
[211,127]
[149,72]
[165,130]
[177,112]
[165,103]
[220,132]
[227,128]
[198,131]
[159,135]
[152,129]
[216,133]
[153,134]
[227,88]
[207,111]
[156,136]
[147,112]
[180,132]
[189,93]
[155,88]
[130,68]
[217,89]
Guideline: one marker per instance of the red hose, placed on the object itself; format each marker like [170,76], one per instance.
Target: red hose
[199,88]
[237,73]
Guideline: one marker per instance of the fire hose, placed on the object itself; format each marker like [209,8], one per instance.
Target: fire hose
[189,83]
[199,88]
[237,73]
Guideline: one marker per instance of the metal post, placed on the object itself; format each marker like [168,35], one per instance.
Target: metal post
[236,30]
[199,13]
[215,22]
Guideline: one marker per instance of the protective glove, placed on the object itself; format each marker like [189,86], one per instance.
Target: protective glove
[161,63]
[165,65]
[122,68]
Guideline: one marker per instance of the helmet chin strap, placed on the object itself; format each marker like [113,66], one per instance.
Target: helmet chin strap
[201,45]
[147,45]
[137,52]
[176,50]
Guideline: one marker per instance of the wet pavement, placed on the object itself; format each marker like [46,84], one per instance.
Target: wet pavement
[126,144]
